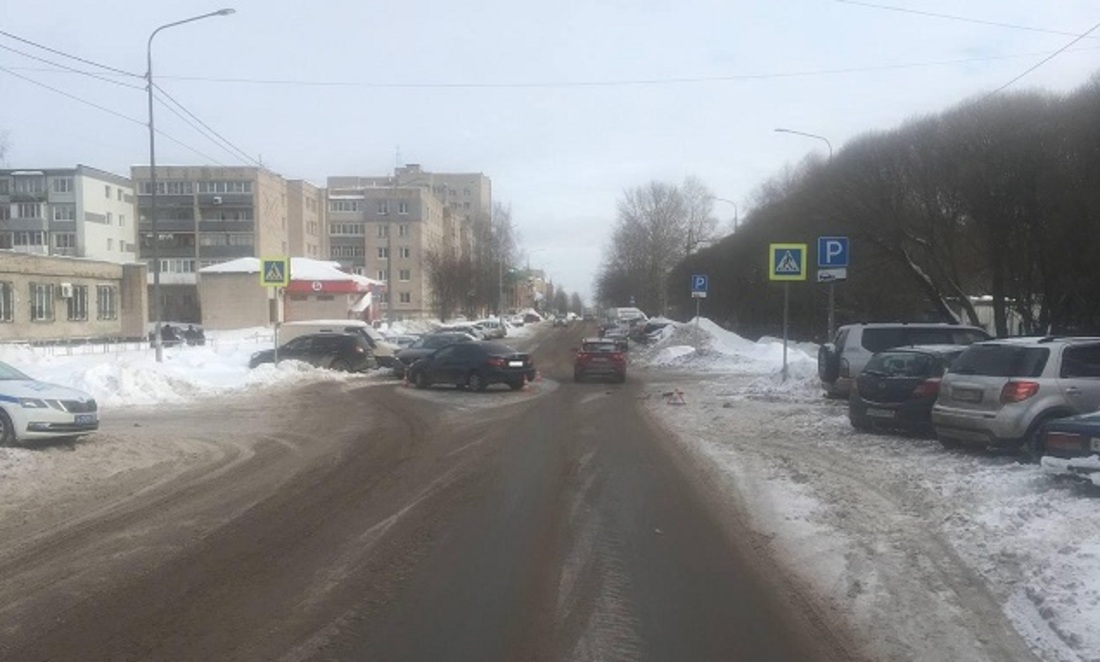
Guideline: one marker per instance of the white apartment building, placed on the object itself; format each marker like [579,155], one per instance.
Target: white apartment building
[76,212]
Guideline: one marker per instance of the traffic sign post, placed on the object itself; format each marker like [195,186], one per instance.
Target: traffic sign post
[786,263]
[699,283]
[832,265]
[275,273]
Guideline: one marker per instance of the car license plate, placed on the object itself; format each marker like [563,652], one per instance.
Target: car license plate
[1094,443]
[515,364]
[84,419]
[880,413]
[966,394]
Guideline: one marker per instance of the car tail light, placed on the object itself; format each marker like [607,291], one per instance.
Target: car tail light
[844,368]
[1018,391]
[496,361]
[926,389]
[359,350]
[618,357]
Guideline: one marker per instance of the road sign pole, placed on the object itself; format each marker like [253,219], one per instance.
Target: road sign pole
[697,299]
[832,308]
[786,318]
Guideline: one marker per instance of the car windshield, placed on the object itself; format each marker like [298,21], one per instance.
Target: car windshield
[1001,361]
[7,372]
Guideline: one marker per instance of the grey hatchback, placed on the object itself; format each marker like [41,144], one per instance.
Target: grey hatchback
[1000,393]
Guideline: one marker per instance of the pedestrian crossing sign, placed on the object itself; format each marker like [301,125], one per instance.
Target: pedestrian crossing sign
[787,262]
[275,272]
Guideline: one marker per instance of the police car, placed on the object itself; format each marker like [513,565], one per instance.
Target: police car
[30,409]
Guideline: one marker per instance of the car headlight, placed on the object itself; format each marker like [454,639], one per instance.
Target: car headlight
[32,403]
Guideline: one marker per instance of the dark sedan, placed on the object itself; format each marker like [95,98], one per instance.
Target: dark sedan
[424,346]
[1071,446]
[336,351]
[473,365]
[898,387]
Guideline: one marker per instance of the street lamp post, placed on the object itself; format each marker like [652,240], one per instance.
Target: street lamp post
[157,343]
[736,212]
[832,297]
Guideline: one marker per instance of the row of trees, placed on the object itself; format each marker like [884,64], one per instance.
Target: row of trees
[658,226]
[997,197]
[476,278]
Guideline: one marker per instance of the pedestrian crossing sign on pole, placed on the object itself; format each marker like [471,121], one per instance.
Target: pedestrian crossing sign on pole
[787,262]
[275,272]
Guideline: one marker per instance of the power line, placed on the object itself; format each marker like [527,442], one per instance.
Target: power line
[1046,59]
[918,12]
[108,111]
[73,57]
[240,153]
[71,69]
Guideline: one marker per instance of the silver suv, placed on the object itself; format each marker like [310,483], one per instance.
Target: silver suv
[840,362]
[999,393]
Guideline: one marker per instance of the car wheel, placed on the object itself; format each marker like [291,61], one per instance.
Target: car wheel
[420,380]
[1032,447]
[860,423]
[949,443]
[7,430]
[475,382]
[340,365]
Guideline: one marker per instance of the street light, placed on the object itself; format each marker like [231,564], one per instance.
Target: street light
[810,135]
[153,174]
[832,298]
[736,213]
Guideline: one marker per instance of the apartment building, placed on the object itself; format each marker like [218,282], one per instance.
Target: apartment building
[74,212]
[306,228]
[406,215]
[207,215]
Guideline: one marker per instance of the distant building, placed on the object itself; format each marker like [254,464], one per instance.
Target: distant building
[76,212]
[409,214]
[207,215]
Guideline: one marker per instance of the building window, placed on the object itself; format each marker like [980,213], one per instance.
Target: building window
[383,253]
[347,229]
[402,208]
[28,210]
[347,251]
[381,275]
[405,297]
[5,186]
[35,238]
[110,244]
[7,302]
[107,191]
[63,185]
[122,220]
[30,184]
[403,230]
[118,194]
[110,218]
[466,192]
[404,252]
[5,212]
[106,301]
[383,207]
[226,239]
[41,302]
[465,205]
[64,213]
[383,231]
[64,240]
[404,274]
[78,304]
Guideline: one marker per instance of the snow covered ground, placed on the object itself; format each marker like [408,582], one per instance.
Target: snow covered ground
[912,542]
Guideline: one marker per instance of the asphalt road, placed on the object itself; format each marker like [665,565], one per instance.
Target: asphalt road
[379,522]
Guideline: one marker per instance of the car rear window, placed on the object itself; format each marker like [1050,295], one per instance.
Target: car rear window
[879,339]
[594,347]
[903,364]
[1001,361]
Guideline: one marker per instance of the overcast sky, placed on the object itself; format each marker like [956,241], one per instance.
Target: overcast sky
[562,104]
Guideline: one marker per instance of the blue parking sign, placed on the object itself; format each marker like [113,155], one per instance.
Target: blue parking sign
[832,252]
[698,283]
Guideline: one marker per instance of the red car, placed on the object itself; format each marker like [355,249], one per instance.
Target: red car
[600,357]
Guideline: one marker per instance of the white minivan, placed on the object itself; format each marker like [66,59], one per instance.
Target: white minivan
[385,352]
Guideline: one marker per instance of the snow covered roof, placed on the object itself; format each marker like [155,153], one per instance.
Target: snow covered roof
[301,268]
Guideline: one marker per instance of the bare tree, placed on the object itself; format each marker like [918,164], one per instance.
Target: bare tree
[576,305]
[700,225]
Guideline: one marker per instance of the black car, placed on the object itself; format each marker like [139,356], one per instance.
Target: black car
[473,365]
[898,387]
[336,351]
[425,345]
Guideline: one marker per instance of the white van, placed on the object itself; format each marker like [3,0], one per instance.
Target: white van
[385,352]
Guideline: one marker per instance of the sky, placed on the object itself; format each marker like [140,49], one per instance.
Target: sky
[563,106]
[886,527]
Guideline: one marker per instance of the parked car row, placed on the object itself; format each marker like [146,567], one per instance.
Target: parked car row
[1035,395]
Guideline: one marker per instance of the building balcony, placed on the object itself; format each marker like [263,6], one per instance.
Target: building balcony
[168,225]
[214,200]
[168,251]
[225,252]
[226,226]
